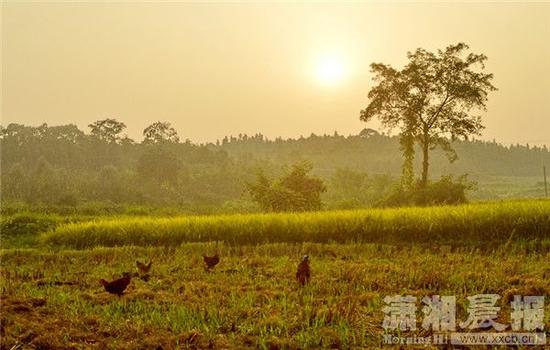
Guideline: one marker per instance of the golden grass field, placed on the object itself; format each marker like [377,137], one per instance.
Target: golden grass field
[478,223]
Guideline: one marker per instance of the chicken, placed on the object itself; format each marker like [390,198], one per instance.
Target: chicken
[117,286]
[211,261]
[142,268]
[304,273]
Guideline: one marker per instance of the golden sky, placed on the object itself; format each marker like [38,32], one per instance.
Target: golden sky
[279,69]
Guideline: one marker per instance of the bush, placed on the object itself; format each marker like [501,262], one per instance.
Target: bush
[296,190]
[28,224]
[446,191]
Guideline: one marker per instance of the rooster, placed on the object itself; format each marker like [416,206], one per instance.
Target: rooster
[303,274]
[211,261]
[117,286]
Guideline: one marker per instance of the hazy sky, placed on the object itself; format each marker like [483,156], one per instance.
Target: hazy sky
[279,69]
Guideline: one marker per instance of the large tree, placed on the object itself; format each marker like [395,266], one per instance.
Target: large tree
[435,99]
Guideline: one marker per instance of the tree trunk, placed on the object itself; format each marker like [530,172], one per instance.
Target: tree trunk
[425,161]
[407,146]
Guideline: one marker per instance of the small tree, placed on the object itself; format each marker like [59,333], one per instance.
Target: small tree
[294,191]
[432,100]
[160,132]
[108,130]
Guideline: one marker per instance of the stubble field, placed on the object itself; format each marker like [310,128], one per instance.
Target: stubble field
[52,300]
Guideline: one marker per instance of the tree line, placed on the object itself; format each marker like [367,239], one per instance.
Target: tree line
[66,166]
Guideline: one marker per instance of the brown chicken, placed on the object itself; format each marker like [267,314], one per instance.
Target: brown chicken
[142,268]
[117,286]
[304,273]
[211,261]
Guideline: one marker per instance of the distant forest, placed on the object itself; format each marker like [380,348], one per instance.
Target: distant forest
[62,165]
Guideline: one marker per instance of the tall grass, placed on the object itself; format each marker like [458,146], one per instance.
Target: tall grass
[473,223]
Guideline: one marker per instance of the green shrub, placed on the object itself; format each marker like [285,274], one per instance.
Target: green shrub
[296,190]
[445,191]
[28,223]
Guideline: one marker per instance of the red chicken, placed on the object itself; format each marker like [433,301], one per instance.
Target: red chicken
[304,273]
[117,286]
[211,261]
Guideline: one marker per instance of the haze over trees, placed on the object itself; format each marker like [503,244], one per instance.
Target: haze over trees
[433,101]
[63,165]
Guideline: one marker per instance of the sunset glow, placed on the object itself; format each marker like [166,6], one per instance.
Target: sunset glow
[330,70]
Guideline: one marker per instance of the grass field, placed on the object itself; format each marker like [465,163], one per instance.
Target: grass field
[51,297]
[480,223]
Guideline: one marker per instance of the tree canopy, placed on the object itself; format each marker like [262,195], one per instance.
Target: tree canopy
[108,130]
[160,132]
[435,99]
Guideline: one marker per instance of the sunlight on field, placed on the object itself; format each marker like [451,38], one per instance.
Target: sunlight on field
[473,223]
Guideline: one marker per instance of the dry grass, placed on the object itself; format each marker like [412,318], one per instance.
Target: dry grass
[52,299]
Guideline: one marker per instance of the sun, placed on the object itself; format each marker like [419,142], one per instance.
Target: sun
[330,70]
